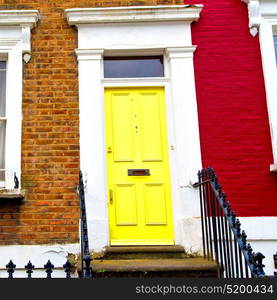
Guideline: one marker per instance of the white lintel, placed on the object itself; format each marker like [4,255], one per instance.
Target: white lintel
[19,17]
[131,14]
[25,19]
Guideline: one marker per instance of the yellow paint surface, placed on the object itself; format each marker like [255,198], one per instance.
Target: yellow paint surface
[140,207]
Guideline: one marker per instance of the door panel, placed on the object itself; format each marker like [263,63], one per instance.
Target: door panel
[140,208]
[125,204]
[150,123]
[154,204]
[123,135]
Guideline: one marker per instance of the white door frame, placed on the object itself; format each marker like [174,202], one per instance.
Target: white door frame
[171,39]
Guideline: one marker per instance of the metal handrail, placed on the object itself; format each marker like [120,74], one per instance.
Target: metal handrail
[222,237]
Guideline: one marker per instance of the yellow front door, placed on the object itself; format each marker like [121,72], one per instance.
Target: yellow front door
[140,208]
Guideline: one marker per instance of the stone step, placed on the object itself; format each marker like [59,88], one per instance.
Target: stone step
[171,267]
[137,252]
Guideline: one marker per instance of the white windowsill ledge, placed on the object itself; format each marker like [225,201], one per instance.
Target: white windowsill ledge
[15,194]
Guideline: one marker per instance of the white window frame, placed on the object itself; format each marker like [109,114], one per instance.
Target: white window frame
[3,120]
[15,40]
[263,21]
[145,30]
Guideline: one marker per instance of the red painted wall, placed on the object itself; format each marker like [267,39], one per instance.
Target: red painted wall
[234,128]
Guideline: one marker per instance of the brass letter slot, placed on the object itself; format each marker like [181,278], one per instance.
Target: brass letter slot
[138,172]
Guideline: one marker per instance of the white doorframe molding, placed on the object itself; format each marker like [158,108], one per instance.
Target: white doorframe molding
[172,39]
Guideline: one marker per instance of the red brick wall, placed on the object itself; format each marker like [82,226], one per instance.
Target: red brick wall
[234,128]
[50,147]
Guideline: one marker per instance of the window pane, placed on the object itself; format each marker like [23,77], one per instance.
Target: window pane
[275,46]
[2,148]
[3,65]
[2,88]
[124,67]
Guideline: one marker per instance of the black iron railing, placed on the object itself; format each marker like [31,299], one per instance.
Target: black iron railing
[48,267]
[223,239]
[86,271]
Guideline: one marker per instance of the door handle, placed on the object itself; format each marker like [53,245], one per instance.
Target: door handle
[111,196]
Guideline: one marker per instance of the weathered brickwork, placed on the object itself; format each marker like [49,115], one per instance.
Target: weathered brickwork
[234,128]
[50,147]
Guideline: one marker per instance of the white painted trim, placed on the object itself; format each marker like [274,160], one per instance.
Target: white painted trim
[110,82]
[260,228]
[132,14]
[171,39]
[89,54]
[254,15]
[26,19]
[263,16]
[14,40]
[135,51]
[270,77]
[39,255]
[262,235]
[19,17]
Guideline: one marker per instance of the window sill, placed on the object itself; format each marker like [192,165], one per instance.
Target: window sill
[13,194]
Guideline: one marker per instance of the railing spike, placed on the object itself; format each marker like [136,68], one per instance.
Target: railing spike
[210,173]
[237,226]
[258,259]
[215,180]
[67,268]
[233,215]
[250,253]
[29,267]
[243,239]
[10,268]
[49,268]
[223,197]
[219,187]
[228,208]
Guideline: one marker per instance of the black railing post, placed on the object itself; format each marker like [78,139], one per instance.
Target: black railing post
[208,218]
[85,256]
[202,213]
[214,219]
